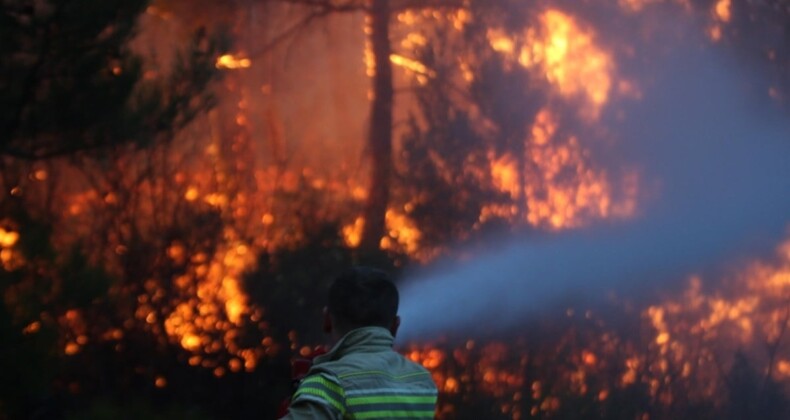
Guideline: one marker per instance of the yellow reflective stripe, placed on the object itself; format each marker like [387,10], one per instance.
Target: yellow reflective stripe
[322,382]
[319,396]
[382,373]
[320,389]
[391,391]
[394,399]
[388,414]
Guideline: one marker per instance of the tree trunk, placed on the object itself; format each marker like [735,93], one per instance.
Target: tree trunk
[379,143]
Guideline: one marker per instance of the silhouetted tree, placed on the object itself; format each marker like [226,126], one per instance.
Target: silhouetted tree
[70,81]
[445,179]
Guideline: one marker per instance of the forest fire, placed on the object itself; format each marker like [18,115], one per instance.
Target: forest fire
[202,246]
[679,353]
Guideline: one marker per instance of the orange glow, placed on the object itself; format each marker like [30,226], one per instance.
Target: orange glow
[566,55]
[192,194]
[368,58]
[555,200]
[8,238]
[411,65]
[402,233]
[233,62]
[10,258]
[589,358]
[783,368]
[722,10]
[505,175]
[267,219]
[353,232]
[571,59]
[501,42]
[190,341]
[722,14]
[32,328]
[71,348]
[714,32]
[217,293]
[451,386]
[414,40]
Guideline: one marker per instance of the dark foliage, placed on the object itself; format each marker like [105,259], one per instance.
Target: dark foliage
[70,82]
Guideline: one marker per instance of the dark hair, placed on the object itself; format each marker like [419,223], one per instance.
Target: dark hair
[363,297]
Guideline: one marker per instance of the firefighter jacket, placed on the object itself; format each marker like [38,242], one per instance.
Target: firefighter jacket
[361,377]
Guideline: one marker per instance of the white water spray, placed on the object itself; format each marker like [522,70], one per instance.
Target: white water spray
[723,167]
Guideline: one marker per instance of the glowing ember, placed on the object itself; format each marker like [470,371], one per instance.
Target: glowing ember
[8,238]
[233,62]
[10,258]
[353,233]
[71,349]
[32,328]
[402,233]
[722,9]
[412,65]
[217,284]
[419,69]
[722,14]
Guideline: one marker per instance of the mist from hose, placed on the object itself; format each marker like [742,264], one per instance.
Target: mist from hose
[721,162]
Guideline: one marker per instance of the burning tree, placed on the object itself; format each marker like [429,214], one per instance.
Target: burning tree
[380,57]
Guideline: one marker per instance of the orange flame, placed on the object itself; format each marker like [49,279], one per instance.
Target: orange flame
[567,56]
[233,62]
[555,200]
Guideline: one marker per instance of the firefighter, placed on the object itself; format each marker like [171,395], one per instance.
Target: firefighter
[362,376]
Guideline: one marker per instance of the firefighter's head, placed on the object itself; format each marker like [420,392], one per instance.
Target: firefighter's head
[362,297]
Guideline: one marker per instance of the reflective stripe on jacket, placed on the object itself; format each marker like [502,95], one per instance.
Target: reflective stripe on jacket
[363,378]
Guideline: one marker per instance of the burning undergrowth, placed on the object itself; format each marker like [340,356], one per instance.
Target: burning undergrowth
[702,352]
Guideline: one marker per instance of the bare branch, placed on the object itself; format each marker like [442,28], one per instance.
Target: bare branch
[323,8]
[293,30]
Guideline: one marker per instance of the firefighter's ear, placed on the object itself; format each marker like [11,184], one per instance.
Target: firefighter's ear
[328,327]
[394,326]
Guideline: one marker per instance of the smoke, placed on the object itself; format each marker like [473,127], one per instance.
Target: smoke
[720,164]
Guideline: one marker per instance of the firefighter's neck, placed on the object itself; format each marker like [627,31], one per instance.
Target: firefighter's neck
[338,330]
